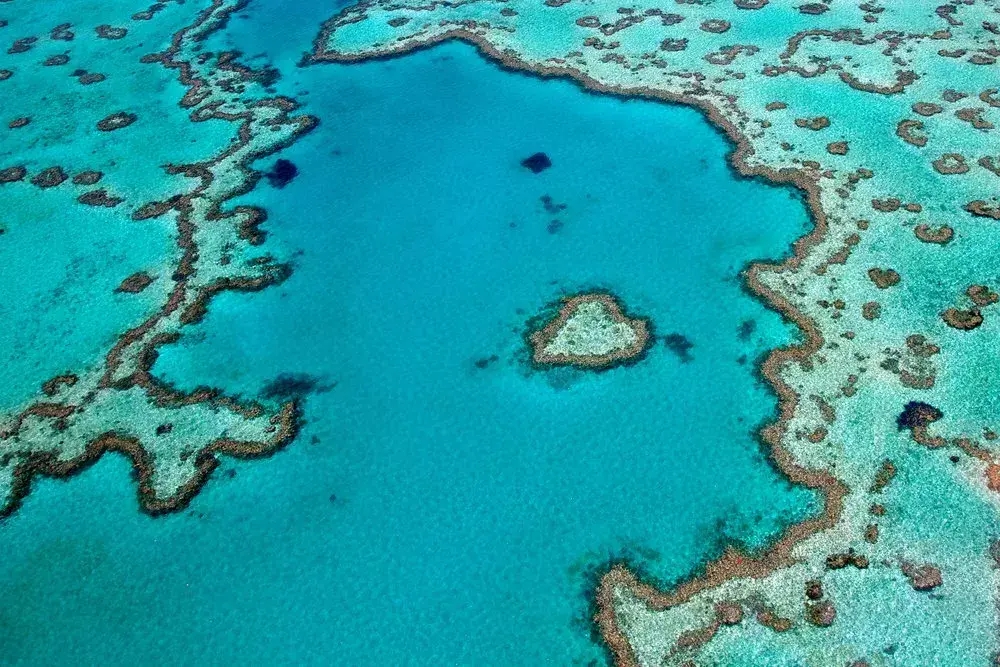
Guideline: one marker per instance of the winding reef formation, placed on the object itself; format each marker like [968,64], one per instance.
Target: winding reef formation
[113,403]
[590,331]
[883,116]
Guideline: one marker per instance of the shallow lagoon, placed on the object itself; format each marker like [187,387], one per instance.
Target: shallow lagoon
[434,511]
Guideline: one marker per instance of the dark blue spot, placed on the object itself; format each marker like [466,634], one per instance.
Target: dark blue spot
[537,163]
[918,414]
[282,172]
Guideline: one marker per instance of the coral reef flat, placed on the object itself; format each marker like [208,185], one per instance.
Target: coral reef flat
[590,331]
[573,332]
[80,348]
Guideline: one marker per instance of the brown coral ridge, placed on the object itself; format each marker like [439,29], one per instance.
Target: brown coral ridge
[540,338]
[48,464]
[733,563]
[922,578]
[963,320]
[982,295]
[837,148]
[884,278]
[907,131]
[285,424]
[886,473]
[940,236]
[903,79]
[52,386]
[950,164]
[982,209]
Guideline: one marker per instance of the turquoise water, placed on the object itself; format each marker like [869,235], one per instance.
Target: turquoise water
[51,300]
[435,512]
[59,261]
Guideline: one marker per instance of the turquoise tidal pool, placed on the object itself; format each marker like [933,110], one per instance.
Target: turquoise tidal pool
[444,503]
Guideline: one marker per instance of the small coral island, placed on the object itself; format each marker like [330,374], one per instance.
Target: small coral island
[592,331]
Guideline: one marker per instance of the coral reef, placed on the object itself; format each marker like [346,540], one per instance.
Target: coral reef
[590,331]
[876,113]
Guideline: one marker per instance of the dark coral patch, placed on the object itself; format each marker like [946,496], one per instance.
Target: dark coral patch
[281,173]
[950,164]
[12,174]
[886,473]
[89,177]
[922,578]
[116,121]
[293,385]
[674,44]
[105,31]
[99,198]
[818,123]
[49,178]
[717,26]
[55,61]
[537,163]
[551,206]
[871,310]
[963,320]
[148,14]
[927,108]
[982,295]
[982,209]
[837,148]
[485,362]
[839,561]
[813,8]
[153,209]
[135,283]
[679,345]
[88,78]
[917,414]
[62,33]
[52,386]
[940,236]
[22,45]
[821,614]
[883,278]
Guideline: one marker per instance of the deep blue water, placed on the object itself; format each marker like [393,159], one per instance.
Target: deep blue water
[433,512]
